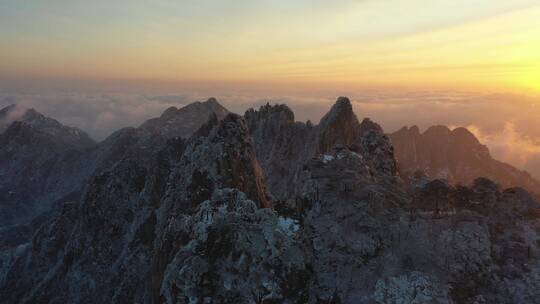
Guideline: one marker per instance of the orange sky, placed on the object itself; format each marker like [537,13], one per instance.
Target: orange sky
[469,45]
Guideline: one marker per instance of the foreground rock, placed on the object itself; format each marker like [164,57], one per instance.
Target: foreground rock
[236,253]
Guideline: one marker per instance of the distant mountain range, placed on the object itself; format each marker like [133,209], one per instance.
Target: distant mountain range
[43,162]
[37,157]
[455,155]
[201,205]
[185,121]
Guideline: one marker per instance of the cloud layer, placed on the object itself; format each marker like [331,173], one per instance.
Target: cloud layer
[507,124]
[512,147]
[98,114]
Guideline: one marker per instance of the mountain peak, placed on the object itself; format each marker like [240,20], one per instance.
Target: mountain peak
[438,130]
[415,130]
[184,214]
[464,135]
[11,113]
[212,101]
[342,108]
[456,155]
[185,121]
[278,113]
[18,112]
[339,126]
[369,125]
[229,145]
[343,100]
[29,118]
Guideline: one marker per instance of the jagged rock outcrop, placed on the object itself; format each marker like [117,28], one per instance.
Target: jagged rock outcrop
[43,161]
[338,126]
[42,165]
[173,220]
[123,214]
[347,211]
[223,158]
[284,146]
[236,253]
[376,147]
[455,155]
[468,245]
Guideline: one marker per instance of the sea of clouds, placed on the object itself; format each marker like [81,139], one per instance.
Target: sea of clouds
[507,124]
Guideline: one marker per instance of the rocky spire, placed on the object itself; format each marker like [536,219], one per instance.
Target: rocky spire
[221,157]
[239,166]
[369,125]
[338,126]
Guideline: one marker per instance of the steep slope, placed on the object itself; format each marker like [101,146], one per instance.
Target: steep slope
[43,166]
[284,146]
[37,153]
[68,136]
[125,218]
[338,126]
[143,142]
[43,161]
[456,155]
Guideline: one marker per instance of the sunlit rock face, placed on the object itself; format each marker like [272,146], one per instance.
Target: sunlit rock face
[262,209]
[455,155]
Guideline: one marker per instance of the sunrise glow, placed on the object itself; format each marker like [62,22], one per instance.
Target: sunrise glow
[457,45]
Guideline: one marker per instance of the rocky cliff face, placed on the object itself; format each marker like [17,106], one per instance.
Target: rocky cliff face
[44,165]
[43,161]
[263,209]
[338,126]
[455,155]
[284,146]
[125,212]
